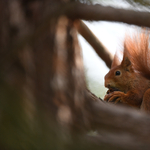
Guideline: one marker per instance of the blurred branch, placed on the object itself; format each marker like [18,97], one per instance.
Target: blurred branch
[99,48]
[94,97]
[98,12]
[118,126]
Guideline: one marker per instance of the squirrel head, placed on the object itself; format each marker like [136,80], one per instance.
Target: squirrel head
[134,66]
[119,77]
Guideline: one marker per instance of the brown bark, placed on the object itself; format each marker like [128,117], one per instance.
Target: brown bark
[119,126]
[98,13]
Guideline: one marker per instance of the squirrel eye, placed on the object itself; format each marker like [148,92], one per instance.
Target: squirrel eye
[117,73]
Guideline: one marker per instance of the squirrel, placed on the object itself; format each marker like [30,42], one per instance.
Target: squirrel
[128,82]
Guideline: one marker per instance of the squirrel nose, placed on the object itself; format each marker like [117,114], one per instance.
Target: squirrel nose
[107,84]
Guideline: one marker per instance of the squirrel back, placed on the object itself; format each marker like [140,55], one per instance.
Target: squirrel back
[138,51]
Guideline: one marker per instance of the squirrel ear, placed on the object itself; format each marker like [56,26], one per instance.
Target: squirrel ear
[116,61]
[126,64]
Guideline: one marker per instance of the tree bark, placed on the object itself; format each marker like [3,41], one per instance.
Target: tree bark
[102,13]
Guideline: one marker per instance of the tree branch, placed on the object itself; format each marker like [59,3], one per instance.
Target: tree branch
[98,12]
[118,126]
[99,48]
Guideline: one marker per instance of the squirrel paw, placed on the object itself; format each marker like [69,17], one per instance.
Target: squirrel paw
[114,97]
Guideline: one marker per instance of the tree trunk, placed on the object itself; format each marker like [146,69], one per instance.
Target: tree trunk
[42,78]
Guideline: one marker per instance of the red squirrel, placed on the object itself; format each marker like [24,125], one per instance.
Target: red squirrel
[129,81]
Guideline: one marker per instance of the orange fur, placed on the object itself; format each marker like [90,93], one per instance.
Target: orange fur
[116,60]
[138,51]
[129,81]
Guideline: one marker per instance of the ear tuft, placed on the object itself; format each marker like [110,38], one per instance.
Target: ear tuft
[126,64]
[116,60]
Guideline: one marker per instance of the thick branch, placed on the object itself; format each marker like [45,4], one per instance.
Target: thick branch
[100,49]
[89,12]
[108,112]
[98,12]
[119,126]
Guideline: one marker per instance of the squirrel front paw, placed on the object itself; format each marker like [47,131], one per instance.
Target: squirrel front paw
[114,97]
